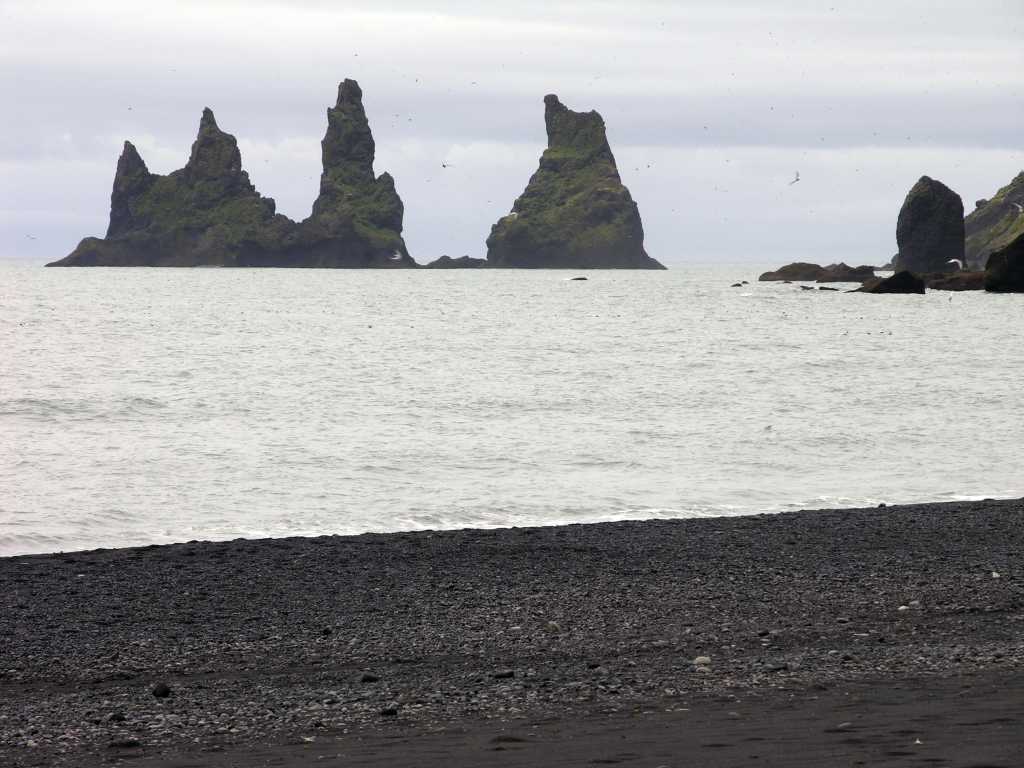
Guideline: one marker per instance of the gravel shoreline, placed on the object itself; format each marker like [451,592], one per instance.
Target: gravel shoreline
[284,643]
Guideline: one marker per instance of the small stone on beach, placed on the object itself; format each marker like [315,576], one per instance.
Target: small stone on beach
[162,690]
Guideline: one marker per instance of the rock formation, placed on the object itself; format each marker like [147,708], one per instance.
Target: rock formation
[956,281]
[209,214]
[575,212]
[995,223]
[463,262]
[901,282]
[930,228]
[833,273]
[1004,272]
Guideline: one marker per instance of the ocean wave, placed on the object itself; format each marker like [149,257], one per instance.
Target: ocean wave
[70,409]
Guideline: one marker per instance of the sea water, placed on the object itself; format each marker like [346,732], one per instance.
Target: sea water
[158,405]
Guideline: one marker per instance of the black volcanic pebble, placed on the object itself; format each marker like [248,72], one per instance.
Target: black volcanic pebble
[125,744]
[368,678]
[503,674]
[116,717]
[162,690]
[260,669]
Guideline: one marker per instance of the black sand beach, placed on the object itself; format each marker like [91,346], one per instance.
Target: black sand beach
[891,636]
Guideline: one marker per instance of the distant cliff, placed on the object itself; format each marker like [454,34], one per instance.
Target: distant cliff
[575,212]
[209,214]
[995,223]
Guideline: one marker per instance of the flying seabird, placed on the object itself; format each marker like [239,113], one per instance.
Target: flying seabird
[959,264]
[1019,207]
[795,179]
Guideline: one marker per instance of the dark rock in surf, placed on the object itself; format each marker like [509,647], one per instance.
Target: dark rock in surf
[930,228]
[209,213]
[901,282]
[575,212]
[1004,272]
[462,262]
[957,281]
[806,272]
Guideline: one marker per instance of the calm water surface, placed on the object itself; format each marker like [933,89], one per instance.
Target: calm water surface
[141,406]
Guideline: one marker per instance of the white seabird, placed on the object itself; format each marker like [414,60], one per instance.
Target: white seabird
[796,178]
[959,264]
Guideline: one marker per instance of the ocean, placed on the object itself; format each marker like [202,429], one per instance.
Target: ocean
[142,406]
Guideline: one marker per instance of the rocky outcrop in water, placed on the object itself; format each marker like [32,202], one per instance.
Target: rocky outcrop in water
[995,223]
[1004,272]
[462,262]
[930,228]
[956,281]
[209,213]
[575,212]
[833,273]
[901,282]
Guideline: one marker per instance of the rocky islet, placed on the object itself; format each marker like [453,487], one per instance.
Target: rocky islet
[930,228]
[575,212]
[209,213]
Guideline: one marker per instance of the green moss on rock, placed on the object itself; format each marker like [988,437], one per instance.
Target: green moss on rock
[209,213]
[995,223]
[575,212]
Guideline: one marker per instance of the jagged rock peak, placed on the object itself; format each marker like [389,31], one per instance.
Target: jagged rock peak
[131,179]
[208,213]
[130,162]
[575,212]
[347,147]
[581,131]
[214,153]
[208,122]
[349,92]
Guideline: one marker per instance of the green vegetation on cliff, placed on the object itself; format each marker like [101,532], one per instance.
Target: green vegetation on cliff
[209,214]
[575,212]
[995,223]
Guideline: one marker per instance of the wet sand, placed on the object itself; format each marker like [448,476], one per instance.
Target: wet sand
[890,636]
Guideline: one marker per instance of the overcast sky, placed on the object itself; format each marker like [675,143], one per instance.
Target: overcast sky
[710,106]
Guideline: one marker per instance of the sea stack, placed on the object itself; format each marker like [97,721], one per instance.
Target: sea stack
[209,213]
[575,212]
[995,223]
[357,217]
[930,228]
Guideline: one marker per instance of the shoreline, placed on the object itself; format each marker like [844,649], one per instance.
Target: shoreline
[778,509]
[370,647]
